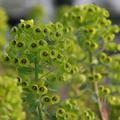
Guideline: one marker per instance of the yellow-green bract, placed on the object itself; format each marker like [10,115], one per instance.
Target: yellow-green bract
[10,100]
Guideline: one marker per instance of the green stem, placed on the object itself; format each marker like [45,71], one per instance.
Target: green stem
[41,117]
[102,109]
[39,112]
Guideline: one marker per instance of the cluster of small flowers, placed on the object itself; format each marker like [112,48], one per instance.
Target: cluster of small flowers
[114,99]
[39,53]
[95,34]
[41,90]
[47,55]
[10,100]
[90,23]
[68,110]
[39,43]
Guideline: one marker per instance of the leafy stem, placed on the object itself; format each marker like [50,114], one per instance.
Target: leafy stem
[40,113]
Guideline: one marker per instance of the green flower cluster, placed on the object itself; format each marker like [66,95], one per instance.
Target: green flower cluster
[114,99]
[72,109]
[74,56]
[10,100]
[36,43]
[90,23]
[95,34]
[40,56]
[68,110]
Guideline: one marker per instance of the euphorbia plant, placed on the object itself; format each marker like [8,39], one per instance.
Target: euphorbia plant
[78,54]
[95,35]
[40,56]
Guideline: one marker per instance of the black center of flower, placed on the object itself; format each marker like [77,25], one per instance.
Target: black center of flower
[67,116]
[90,9]
[37,30]
[78,17]
[45,30]
[66,30]
[15,60]
[45,53]
[91,78]
[23,61]
[100,88]
[93,45]
[46,99]
[103,56]
[67,65]
[57,34]
[20,44]
[41,89]
[34,87]
[52,52]
[7,58]
[60,111]
[61,78]
[108,59]
[22,25]
[28,25]
[96,76]
[105,91]
[85,30]
[18,78]
[109,38]
[88,43]
[55,59]
[72,71]
[24,83]
[41,42]
[54,98]
[14,29]
[90,30]
[102,23]
[14,42]
[59,56]
[33,45]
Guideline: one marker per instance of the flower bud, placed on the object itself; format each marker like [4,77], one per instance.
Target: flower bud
[60,112]
[46,99]
[55,99]
[24,61]
[35,87]
[42,90]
